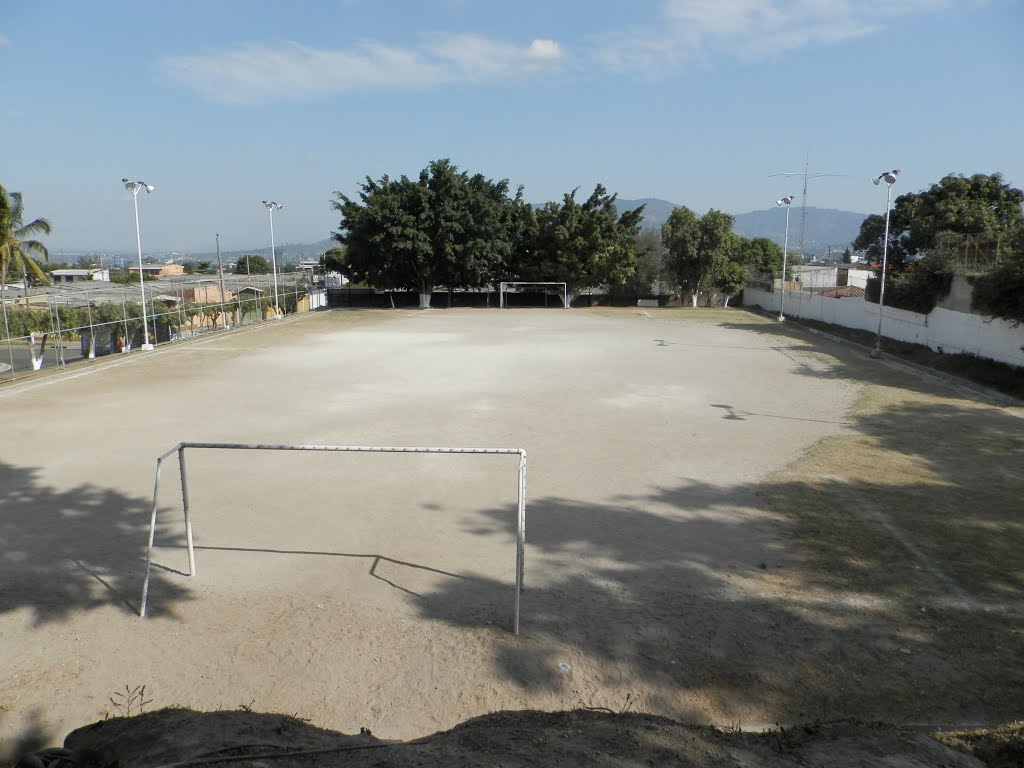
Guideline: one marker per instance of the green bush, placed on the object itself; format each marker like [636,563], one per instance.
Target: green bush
[1000,293]
[919,290]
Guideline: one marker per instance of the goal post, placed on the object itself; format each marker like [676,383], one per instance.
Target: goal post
[512,286]
[181,447]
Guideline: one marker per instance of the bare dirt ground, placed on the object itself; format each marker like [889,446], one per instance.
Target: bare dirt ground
[728,523]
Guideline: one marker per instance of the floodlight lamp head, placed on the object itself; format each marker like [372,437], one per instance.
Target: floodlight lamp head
[135,186]
[786,201]
[271,205]
[889,177]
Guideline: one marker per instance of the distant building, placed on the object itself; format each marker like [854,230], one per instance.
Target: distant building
[160,270]
[205,293]
[80,275]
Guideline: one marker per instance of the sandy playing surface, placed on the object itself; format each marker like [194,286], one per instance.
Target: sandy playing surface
[377,590]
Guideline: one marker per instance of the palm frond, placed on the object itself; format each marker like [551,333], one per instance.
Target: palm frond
[35,247]
[34,269]
[15,249]
[20,262]
[38,227]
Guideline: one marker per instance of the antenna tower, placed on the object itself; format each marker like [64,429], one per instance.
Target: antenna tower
[803,201]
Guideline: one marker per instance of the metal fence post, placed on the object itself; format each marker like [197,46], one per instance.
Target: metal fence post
[7,326]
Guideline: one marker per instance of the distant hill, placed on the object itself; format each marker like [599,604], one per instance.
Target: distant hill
[825,226]
[656,212]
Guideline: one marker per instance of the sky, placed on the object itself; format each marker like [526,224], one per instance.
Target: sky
[223,104]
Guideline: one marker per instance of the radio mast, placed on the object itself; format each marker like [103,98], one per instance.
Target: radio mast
[807,174]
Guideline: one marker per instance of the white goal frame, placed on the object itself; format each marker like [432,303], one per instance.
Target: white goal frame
[180,450]
[516,283]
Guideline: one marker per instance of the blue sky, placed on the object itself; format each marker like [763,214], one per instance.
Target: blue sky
[223,104]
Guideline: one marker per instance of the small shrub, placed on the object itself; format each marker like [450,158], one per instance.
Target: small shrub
[132,702]
[1000,293]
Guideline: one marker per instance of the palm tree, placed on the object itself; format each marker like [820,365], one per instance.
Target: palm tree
[17,250]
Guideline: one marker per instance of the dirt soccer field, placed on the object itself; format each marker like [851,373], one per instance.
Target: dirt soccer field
[728,521]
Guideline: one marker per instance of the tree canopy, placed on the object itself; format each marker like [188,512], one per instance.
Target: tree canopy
[979,205]
[582,244]
[698,248]
[253,264]
[443,228]
[18,248]
[759,254]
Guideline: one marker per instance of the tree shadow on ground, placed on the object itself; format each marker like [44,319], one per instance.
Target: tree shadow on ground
[846,363]
[33,736]
[75,549]
[901,599]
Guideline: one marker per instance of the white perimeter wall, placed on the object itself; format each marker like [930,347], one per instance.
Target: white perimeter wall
[942,329]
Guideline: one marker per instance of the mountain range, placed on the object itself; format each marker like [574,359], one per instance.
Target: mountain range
[824,228]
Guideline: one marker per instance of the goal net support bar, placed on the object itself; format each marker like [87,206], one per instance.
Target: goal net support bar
[504,286]
[181,447]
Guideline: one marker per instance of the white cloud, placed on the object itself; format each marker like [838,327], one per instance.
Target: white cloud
[260,73]
[4,40]
[698,29]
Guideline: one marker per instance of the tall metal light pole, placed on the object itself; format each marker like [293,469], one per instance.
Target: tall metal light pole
[786,201]
[223,296]
[270,206]
[889,177]
[134,187]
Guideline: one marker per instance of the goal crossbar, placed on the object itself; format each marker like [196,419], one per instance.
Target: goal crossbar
[181,447]
[503,286]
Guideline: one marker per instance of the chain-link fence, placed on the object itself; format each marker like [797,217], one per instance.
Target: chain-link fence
[62,324]
[975,254]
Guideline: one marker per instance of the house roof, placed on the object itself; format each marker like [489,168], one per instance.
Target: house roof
[843,292]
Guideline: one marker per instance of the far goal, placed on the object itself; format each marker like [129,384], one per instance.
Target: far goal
[547,288]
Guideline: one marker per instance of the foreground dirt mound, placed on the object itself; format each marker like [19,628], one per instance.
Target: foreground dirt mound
[176,738]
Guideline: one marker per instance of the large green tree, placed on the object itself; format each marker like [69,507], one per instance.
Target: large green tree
[333,260]
[18,247]
[650,264]
[698,248]
[760,255]
[979,205]
[584,245]
[253,264]
[443,228]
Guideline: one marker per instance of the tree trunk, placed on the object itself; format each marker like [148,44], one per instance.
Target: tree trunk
[425,291]
[693,300]
[726,301]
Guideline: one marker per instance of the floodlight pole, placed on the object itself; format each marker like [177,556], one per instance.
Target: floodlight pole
[270,206]
[889,177]
[786,201]
[223,296]
[134,187]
